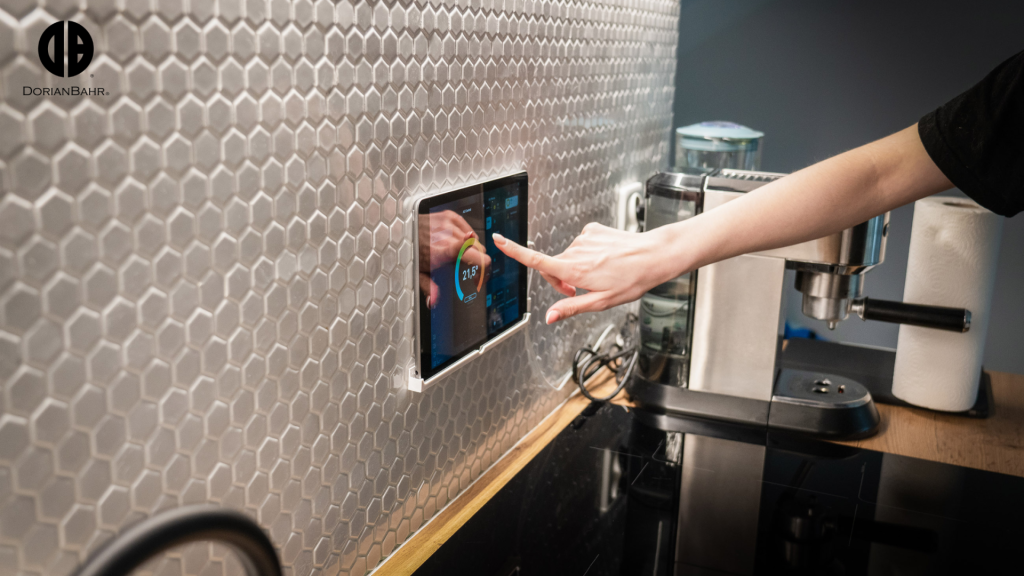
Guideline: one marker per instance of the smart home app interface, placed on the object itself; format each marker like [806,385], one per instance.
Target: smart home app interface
[501,207]
[468,288]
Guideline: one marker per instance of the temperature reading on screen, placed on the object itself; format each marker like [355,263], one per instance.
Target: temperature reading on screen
[470,272]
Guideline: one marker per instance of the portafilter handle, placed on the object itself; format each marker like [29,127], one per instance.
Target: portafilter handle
[937,317]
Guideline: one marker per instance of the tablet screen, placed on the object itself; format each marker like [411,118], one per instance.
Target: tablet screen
[469,290]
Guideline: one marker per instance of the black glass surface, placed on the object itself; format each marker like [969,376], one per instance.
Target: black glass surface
[627,493]
[469,290]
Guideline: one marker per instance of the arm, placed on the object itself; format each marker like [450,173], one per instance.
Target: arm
[615,267]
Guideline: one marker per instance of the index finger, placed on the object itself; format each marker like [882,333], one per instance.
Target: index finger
[531,258]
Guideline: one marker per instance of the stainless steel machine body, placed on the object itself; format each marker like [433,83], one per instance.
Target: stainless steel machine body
[740,301]
[726,337]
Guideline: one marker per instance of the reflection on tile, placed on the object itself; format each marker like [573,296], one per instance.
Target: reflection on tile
[203,274]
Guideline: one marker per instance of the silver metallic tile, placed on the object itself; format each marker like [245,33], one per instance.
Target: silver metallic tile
[203,275]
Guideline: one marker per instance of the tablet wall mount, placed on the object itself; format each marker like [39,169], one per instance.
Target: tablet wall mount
[470,296]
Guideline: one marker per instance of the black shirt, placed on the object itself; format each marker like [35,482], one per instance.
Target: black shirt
[977,139]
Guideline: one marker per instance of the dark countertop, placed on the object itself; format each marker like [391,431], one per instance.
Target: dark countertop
[624,492]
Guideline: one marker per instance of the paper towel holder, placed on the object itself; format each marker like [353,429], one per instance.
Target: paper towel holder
[953,257]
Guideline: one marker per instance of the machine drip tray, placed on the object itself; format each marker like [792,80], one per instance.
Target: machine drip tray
[844,411]
[823,389]
[871,367]
[822,404]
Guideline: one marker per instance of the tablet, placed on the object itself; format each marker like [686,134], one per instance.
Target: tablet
[470,293]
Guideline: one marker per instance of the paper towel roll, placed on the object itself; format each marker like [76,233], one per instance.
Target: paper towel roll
[954,246]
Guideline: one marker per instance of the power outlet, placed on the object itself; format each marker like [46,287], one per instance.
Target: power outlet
[628,198]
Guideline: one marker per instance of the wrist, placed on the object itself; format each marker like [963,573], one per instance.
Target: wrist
[680,246]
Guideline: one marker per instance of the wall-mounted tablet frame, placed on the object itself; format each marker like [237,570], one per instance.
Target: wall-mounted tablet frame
[421,371]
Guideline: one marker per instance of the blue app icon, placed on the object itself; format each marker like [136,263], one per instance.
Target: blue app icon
[488,299]
[488,222]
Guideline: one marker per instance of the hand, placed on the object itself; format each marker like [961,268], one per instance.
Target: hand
[613,266]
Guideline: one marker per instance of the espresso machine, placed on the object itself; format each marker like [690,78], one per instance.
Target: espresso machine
[711,340]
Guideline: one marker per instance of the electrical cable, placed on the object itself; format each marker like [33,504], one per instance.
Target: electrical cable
[620,357]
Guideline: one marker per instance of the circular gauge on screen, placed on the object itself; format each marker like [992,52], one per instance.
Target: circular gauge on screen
[469,275]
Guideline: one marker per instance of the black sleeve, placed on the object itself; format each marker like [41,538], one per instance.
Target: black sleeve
[977,139]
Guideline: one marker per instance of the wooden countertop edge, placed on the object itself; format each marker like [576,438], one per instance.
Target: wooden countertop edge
[421,545]
[993,444]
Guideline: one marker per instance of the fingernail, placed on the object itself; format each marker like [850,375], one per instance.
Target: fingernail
[551,317]
[498,239]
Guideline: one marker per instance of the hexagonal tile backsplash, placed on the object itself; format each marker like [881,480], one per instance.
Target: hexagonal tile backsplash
[204,271]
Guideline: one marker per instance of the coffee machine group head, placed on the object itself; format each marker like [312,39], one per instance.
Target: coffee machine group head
[711,339]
